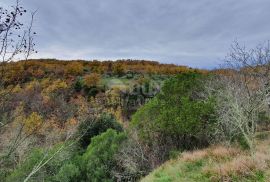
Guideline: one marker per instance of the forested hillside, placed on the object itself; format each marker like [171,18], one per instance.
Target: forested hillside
[69,121]
[129,120]
[47,104]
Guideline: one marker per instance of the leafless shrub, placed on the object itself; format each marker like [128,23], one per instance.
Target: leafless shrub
[242,93]
[132,161]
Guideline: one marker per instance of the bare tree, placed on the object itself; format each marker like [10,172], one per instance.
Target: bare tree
[132,160]
[243,92]
[16,42]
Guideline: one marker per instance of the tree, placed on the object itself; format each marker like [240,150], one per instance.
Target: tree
[32,123]
[118,69]
[16,41]
[132,160]
[243,94]
[91,80]
[78,85]
[74,68]
[177,118]
[68,173]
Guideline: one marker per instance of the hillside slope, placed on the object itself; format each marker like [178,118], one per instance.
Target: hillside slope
[217,163]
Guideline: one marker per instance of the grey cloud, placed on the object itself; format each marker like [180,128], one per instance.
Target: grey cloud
[190,32]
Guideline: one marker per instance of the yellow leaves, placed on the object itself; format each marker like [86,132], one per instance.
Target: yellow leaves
[54,86]
[91,79]
[45,82]
[31,85]
[17,89]
[32,123]
[74,68]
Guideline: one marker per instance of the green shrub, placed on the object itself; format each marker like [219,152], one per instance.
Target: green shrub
[68,173]
[95,126]
[22,171]
[48,171]
[78,85]
[179,116]
[92,92]
[98,160]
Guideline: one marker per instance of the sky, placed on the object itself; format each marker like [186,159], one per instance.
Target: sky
[196,33]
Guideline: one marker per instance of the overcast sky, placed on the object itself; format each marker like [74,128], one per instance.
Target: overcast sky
[196,33]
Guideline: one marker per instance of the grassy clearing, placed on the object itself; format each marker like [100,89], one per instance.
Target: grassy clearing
[217,163]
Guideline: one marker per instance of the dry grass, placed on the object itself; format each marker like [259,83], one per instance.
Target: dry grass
[194,156]
[221,152]
[215,152]
[240,165]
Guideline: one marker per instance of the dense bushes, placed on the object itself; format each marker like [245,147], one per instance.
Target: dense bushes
[178,118]
[68,173]
[67,164]
[98,161]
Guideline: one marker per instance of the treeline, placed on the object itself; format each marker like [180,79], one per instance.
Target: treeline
[40,68]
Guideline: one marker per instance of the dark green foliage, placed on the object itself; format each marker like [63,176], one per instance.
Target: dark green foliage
[68,173]
[178,114]
[92,92]
[71,164]
[98,160]
[95,126]
[129,75]
[78,85]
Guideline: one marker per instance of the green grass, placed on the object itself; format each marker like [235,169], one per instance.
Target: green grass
[123,82]
[178,171]
[174,171]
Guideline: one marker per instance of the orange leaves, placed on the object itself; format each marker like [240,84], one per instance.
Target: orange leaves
[74,68]
[91,79]
[54,86]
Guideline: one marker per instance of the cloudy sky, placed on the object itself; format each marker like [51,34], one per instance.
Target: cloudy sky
[196,33]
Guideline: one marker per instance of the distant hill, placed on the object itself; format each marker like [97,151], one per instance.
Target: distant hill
[40,68]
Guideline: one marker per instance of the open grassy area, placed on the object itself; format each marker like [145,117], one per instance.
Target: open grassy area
[217,163]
